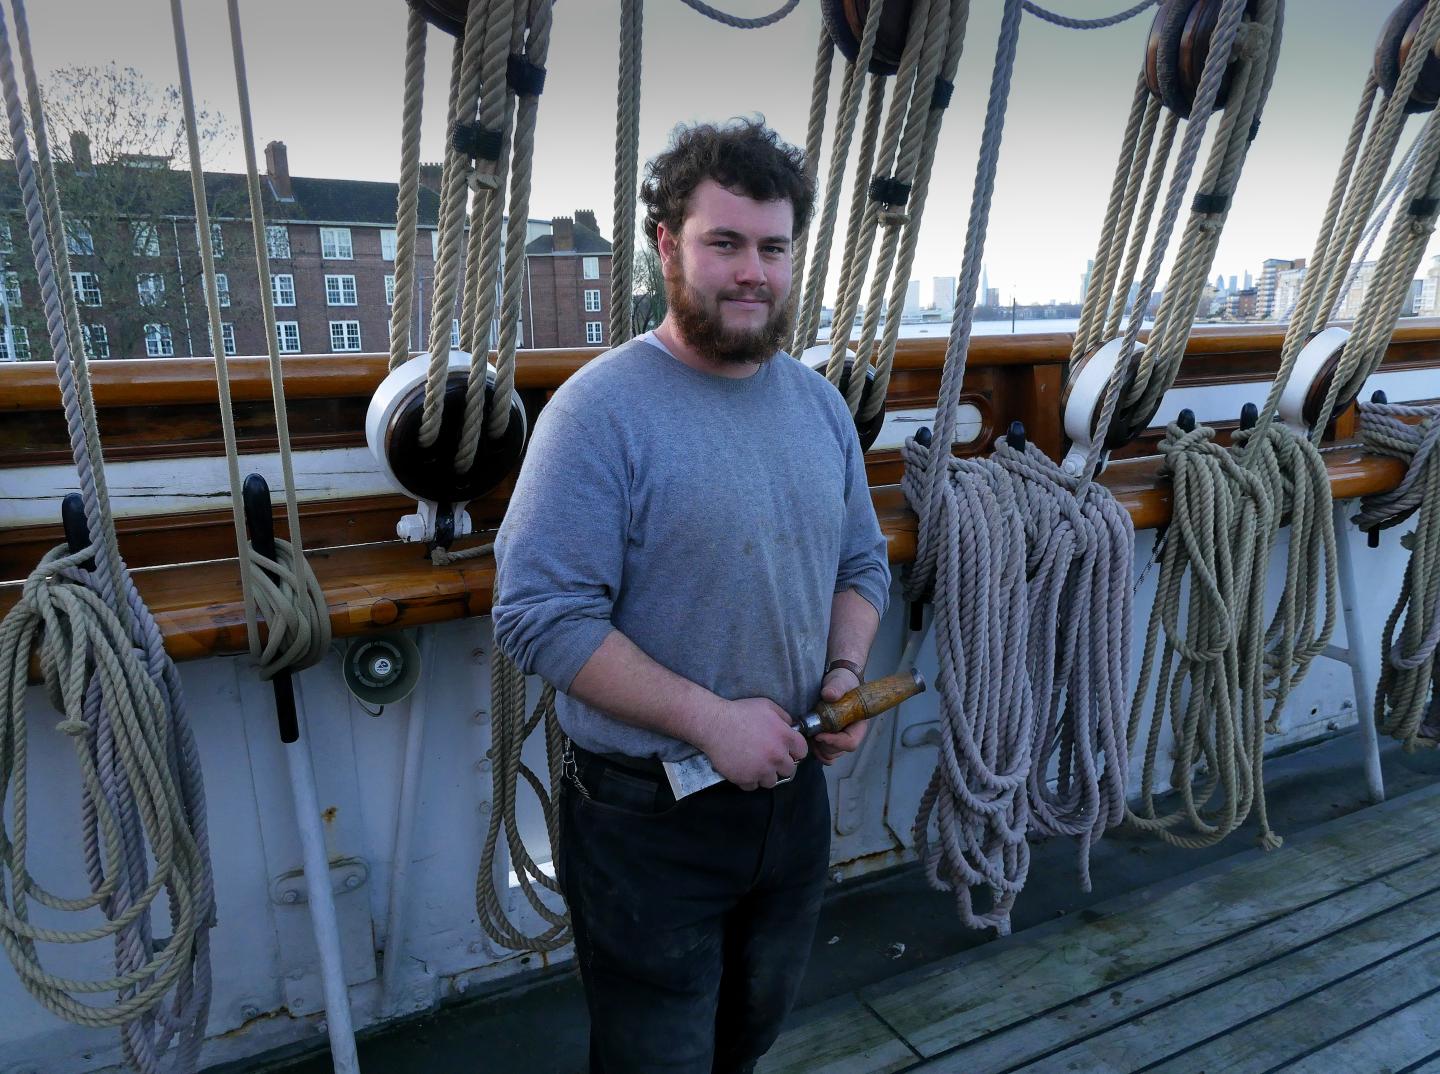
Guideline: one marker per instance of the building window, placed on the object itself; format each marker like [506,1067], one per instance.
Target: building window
[590,267]
[594,332]
[455,333]
[227,335]
[12,289]
[277,240]
[87,288]
[387,243]
[389,290]
[7,241]
[97,340]
[282,289]
[151,288]
[17,347]
[78,240]
[335,244]
[287,336]
[344,335]
[217,240]
[144,239]
[340,290]
[222,288]
[592,301]
[157,341]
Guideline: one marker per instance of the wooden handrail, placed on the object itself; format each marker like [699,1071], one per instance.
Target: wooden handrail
[388,586]
[165,381]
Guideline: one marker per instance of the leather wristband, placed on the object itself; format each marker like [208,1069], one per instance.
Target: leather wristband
[849,665]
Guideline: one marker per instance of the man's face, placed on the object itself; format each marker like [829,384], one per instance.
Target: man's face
[727,274]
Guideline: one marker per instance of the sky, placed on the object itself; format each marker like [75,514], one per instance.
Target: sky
[326,78]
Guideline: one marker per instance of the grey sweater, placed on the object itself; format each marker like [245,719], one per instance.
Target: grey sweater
[710,520]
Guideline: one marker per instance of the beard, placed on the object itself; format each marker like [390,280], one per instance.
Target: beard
[703,328]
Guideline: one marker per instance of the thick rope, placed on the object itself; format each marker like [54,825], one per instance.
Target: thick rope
[1081,553]
[407,203]
[508,736]
[296,613]
[1070,23]
[970,828]
[1214,698]
[1405,705]
[464,94]
[738,22]
[127,799]
[972,556]
[813,274]
[627,170]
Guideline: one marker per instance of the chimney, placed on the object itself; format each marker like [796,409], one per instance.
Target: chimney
[564,233]
[430,175]
[277,170]
[586,218]
[80,153]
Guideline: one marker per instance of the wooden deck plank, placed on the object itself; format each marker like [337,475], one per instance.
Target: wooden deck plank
[1182,1036]
[844,1038]
[941,1007]
[1409,1035]
[1430,1065]
[1103,1010]
[1345,1005]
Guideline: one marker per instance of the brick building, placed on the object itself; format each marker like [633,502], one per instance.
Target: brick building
[567,284]
[331,244]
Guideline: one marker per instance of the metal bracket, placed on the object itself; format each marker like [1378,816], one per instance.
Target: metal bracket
[346,874]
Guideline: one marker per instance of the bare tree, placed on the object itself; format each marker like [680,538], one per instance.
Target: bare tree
[122,169]
[649,298]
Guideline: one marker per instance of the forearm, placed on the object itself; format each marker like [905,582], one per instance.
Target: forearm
[621,681]
[853,623]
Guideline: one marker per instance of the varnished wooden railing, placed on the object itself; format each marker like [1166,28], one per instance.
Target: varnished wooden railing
[164,408]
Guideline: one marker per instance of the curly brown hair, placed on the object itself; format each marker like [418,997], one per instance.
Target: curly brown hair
[744,156]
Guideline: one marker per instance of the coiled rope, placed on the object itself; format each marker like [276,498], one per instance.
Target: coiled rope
[1205,653]
[104,664]
[1405,696]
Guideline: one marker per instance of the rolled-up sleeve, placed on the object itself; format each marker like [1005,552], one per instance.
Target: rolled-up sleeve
[560,551]
[864,561]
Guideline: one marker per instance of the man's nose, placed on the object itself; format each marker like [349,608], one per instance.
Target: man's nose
[750,269]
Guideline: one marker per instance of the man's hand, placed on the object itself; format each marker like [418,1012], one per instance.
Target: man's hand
[751,742]
[828,747]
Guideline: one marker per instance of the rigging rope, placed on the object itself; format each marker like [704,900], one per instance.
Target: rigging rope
[104,664]
[1072,547]
[1209,671]
[627,165]
[1405,696]
[739,22]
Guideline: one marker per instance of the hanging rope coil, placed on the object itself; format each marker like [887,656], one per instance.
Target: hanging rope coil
[976,799]
[1080,560]
[1405,696]
[104,662]
[508,768]
[1214,697]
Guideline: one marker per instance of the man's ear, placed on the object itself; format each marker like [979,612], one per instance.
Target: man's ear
[666,242]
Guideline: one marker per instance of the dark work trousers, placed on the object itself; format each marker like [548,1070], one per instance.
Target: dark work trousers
[693,920]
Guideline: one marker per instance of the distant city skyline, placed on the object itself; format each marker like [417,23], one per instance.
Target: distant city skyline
[338,110]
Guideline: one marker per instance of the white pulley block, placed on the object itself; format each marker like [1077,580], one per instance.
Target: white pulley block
[402,390]
[1086,396]
[1315,360]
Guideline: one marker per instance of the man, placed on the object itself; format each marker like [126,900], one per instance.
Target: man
[690,547]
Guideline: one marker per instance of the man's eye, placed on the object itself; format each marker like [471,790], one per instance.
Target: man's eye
[723,243]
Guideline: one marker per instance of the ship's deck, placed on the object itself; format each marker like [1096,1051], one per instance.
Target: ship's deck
[1323,956]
